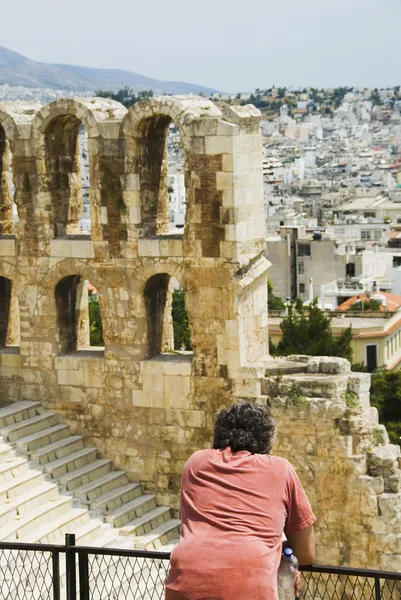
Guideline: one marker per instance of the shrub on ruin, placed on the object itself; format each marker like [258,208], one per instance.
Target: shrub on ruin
[385,395]
[95,322]
[182,333]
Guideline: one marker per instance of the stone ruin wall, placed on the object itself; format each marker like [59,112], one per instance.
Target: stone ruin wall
[145,408]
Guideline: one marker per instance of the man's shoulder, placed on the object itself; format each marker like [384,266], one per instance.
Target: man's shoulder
[279,462]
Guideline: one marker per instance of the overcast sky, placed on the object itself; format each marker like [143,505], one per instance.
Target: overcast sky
[230,45]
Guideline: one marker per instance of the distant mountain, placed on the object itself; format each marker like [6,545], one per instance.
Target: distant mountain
[18,70]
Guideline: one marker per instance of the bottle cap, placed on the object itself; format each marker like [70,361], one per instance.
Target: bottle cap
[288,552]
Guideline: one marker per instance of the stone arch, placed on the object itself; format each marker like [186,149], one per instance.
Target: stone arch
[71,307]
[6,186]
[10,286]
[144,130]
[47,302]
[74,315]
[18,174]
[8,124]
[159,290]
[55,131]
[11,115]
[67,267]
[70,107]
[150,268]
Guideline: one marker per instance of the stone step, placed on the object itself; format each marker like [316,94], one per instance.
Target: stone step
[109,539]
[159,537]
[170,546]
[19,485]
[131,510]
[6,452]
[37,440]
[71,462]
[53,530]
[147,522]
[14,467]
[90,472]
[17,412]
[89,492]
[116,497]
[58,450]
[26,503]
[27,527]
[90,532]
[29,426]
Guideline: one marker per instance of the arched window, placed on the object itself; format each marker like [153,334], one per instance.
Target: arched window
[67,163]
[78,315]
[176,181]
[167,320]
[9,315]
[161,170]
[8,208]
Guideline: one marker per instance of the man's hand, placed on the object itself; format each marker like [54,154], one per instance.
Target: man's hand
[297,584]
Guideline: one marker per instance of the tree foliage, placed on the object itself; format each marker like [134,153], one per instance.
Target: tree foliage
[126,95]
[310,333]
[368,305]
[182,332]
[385,395]
[273,302]
[376,98]
[95,322]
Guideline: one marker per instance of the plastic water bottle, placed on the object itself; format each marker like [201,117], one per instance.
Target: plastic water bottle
[286,575]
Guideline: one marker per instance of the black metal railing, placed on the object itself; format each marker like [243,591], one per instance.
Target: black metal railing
[70,572]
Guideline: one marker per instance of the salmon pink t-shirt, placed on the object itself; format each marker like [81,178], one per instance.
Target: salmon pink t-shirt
[234,510]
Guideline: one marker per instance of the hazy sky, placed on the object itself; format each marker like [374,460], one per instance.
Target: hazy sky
[230,45]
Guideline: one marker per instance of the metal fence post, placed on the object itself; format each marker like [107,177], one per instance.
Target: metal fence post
[378,594]
[71,572]
[84,576]
[56,574]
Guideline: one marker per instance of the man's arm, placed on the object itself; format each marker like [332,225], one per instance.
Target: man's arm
[302,543]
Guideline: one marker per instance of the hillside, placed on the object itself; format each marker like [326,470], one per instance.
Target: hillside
[18,70]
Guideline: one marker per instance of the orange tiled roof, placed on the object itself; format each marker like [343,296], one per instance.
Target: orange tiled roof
[393,302]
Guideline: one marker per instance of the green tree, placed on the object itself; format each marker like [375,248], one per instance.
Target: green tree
[182,333]
[95,322]
[385,395]
[273,302]
[126,95]
[376,98]
[310,333]
[368,305]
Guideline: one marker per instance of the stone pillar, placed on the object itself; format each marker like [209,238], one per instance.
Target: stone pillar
[5,304]
[13,332]
[163,203]
[82,311]
[6,199]
[168,329]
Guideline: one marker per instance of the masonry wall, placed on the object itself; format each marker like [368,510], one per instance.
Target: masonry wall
[147,412]
[328,430]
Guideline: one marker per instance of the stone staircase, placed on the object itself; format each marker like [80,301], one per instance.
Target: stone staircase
[52,484]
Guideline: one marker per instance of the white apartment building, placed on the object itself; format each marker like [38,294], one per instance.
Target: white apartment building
[303,265]
[177,203]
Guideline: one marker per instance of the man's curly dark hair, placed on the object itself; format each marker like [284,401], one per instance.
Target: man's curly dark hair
[244,426]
